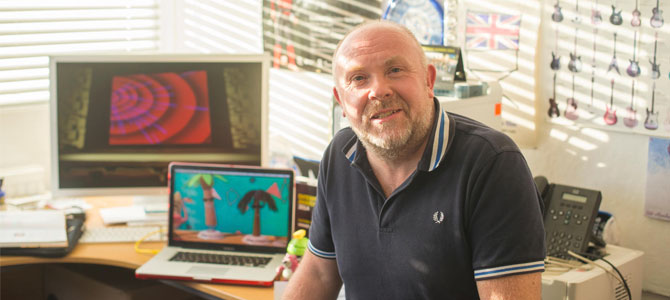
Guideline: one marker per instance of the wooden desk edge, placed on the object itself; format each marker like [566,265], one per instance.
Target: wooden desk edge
[127,258]
[123,255]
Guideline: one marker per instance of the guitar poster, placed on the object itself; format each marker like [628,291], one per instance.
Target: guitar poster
[657,203]
[605,66]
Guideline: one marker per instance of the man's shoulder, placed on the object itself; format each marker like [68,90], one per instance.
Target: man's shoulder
[343,141]
[476,133]
[344,137]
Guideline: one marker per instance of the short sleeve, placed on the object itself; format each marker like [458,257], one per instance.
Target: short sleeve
[320,235]
[506,228]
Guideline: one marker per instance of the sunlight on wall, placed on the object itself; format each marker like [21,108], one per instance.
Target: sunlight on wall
[207,26]
[299,102]
[514,69]
[300,117]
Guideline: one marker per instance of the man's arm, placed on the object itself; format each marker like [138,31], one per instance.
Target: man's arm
[315,278]
[522,287]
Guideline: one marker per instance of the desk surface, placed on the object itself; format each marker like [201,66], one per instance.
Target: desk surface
[124,255]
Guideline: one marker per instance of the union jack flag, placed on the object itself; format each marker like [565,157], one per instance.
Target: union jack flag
[492,31]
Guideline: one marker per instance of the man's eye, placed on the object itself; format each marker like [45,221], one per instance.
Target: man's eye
[395,70]
[358,78]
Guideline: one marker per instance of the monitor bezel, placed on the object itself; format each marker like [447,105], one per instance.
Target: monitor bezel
[57,191]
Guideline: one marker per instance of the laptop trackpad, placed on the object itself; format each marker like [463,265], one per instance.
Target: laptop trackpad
[203,270]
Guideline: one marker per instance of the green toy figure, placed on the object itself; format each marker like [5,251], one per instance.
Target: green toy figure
[294,251]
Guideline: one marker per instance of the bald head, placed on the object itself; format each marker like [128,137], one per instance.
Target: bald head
[376,26]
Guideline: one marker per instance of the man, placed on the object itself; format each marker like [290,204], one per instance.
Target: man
[412,202]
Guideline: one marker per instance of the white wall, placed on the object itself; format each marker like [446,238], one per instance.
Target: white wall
[617,166]
[24,137]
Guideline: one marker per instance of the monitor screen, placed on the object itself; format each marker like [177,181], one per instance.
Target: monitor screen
[117,121]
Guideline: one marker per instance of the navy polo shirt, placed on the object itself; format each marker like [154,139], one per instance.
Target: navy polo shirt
[470,212]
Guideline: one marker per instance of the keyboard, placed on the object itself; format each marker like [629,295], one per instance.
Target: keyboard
[222,259]
[120,234]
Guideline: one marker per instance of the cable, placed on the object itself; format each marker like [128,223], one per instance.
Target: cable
[145,250]
[619,277]
[625,284]
[557,266]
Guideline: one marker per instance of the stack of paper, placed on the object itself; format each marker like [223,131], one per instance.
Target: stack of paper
[33,228]
[122,214]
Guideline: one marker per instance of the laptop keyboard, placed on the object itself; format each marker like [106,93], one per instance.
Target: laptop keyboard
[222,259]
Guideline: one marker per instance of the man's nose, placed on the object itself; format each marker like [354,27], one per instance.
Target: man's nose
[380,89]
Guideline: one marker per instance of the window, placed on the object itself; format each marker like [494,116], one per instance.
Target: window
[30,31]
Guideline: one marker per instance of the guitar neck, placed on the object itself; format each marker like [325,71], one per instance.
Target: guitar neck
[653,93]
[632,94]
[612,93]
[634,44]
[655,44]
[554,86]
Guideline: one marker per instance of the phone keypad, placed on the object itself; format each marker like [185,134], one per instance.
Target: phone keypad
[562,239]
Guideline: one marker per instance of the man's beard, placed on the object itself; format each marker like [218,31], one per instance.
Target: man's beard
[399,143]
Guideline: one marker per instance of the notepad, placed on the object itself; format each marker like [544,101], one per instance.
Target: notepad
[33,228]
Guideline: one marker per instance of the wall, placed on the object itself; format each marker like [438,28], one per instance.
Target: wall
[617,167]
[25,138]
[587,154]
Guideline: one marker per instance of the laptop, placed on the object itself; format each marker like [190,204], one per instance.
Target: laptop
[227,224]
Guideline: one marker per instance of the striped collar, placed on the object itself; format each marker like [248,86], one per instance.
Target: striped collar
[435,149]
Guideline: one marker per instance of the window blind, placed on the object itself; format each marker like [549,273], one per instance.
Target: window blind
[31,31]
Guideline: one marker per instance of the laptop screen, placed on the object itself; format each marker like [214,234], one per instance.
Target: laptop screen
[225,207]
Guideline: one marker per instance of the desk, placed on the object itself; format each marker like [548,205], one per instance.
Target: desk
[123,255]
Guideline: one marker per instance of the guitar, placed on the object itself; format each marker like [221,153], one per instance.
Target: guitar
[575,64]
[577,19]
[656,20]
[651,121]
[655,68]
[634,68]
[596,17]
[616,18]
[593,67]
[630,120]
[555,61]
[613,64]
[635,21]
[571,107]
[553,107]
[557,16]
[610,113]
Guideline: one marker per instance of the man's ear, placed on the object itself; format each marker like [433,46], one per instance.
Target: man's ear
[431,74]
[337,98]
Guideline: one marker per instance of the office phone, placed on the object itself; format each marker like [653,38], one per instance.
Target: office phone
[569,214]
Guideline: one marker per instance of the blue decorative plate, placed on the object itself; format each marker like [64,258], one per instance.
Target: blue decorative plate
[425,18]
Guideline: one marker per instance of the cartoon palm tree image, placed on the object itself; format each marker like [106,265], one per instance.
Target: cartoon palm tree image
[257,200]
[206,183]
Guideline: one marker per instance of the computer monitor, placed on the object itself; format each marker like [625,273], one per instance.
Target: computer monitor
[118,120]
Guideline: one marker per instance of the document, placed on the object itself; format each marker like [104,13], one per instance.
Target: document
[33,228]
[122,214]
